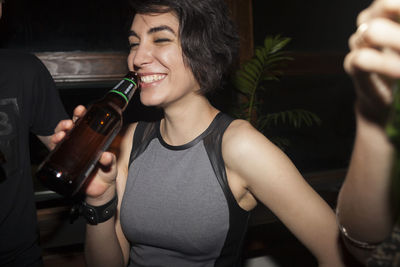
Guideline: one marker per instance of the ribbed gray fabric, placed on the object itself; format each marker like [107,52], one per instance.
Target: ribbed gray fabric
[174,212]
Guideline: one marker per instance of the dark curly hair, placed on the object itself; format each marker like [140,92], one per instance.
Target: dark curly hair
[208,37]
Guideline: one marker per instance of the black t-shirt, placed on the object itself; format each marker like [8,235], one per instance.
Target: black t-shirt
[29,102]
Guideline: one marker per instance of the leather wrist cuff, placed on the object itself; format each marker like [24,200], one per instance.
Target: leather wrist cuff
[98,214]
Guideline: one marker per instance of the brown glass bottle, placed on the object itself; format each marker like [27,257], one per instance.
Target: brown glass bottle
[67,167]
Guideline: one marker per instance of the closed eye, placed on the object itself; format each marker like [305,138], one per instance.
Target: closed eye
[162,40]
[133,45]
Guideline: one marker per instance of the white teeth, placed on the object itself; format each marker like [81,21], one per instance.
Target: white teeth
[151,78]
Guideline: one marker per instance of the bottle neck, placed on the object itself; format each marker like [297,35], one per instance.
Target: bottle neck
[122,93]
[117,100]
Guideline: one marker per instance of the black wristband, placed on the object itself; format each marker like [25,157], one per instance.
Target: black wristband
[95,215]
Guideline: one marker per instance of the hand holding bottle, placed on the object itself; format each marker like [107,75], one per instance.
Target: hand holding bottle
[81,145]
[66,125]
[103,176]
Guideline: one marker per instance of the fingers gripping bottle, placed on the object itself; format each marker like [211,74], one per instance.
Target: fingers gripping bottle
[68,166]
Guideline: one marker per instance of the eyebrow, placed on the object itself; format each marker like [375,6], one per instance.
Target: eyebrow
[154,30]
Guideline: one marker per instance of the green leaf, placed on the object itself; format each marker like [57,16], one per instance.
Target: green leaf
[249,71]
[243,85]
[246,75]
[270,78]
[258,64]
[295,118]
[279,44]
[259,55]
[256,69]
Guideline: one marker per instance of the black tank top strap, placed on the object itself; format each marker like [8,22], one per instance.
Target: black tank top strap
[144,133]
[213,145]
[238,218]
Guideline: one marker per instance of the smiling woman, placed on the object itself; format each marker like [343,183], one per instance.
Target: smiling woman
[186,183]
[155,42]
[219,45]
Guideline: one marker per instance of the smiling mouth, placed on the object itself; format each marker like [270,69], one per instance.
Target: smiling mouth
[151,78]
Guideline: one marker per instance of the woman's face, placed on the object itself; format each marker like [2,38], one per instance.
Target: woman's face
[156,55]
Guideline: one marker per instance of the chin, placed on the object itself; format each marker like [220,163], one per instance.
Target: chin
[149,101]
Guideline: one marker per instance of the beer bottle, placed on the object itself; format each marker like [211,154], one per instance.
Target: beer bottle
[67,167]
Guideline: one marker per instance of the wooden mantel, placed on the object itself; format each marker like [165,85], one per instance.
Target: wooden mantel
[67,67]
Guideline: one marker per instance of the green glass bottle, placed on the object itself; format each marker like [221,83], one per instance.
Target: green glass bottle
[68,166]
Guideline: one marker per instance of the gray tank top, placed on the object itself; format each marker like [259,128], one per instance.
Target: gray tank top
[175,212]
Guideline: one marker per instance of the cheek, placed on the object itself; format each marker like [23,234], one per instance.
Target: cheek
[181,73]
[170,57]
[129,60]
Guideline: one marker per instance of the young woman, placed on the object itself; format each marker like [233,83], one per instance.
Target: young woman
[187,186]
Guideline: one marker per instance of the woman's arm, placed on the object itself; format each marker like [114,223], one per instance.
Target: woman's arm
[62,127]
[106,244]
[102,245]
[364,207]
[270,177]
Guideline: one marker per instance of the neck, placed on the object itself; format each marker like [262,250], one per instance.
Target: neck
[182,125]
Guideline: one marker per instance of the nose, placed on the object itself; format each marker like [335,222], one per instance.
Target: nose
[141,56]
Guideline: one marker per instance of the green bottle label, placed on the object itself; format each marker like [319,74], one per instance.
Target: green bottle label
[125,88]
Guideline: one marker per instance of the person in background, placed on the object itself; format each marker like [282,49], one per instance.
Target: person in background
[365,210]
[29,103]
[182,188]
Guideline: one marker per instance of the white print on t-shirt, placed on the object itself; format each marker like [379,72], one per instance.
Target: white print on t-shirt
[6,127]
[9,119]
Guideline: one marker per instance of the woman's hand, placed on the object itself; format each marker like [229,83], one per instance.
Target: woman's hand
[374,60]
[66,125]
[100,187]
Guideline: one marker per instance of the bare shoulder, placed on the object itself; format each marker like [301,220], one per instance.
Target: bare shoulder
[255,164]
[241,129]
[253,157]
[242,140]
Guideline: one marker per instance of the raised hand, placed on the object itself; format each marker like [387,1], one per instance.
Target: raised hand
[374,61]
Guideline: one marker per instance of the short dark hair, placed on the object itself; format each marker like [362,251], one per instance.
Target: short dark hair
[208,37]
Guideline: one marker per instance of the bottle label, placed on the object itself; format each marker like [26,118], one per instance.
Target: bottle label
[125,88]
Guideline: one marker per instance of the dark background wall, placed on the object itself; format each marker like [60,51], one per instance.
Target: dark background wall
[314,25]
[56,25]
[320,29]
